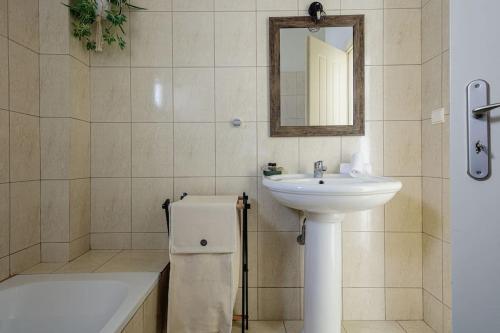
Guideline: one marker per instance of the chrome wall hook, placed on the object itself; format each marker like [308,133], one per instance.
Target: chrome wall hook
[316,11]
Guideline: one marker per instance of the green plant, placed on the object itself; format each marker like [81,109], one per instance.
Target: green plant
[98,21]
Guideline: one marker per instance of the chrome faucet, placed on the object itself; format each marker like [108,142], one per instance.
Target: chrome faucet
[319,168]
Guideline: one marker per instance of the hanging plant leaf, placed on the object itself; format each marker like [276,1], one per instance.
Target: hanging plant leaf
[98,21]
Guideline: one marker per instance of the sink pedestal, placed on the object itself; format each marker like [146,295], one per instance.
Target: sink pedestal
[323,273]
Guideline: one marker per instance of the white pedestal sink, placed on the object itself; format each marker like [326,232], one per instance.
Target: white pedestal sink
[324,202]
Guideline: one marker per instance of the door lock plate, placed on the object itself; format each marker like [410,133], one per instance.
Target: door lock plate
[478,131]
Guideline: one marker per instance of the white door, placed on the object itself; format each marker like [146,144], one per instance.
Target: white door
[475,205]
[327,84]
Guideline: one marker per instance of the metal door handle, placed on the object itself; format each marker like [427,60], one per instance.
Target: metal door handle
[480,111]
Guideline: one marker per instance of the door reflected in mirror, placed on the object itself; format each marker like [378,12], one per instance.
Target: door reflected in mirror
[316,76]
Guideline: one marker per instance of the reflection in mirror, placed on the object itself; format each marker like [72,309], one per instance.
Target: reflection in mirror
[316,76]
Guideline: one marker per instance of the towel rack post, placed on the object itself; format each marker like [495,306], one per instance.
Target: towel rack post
[244,292]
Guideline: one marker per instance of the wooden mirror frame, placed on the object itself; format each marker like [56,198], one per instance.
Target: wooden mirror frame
[354,21]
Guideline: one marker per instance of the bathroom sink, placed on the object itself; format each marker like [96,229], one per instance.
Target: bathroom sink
[333,193]
[324,201]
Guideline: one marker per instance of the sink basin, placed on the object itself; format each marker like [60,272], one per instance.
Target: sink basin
[324,202]
[334,193]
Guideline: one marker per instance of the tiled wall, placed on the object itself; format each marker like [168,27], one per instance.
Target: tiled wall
[65,137]
[19,137]
[435,152]
[293,99]
[160,126]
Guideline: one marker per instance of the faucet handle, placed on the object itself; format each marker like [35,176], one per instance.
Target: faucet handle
[318,165]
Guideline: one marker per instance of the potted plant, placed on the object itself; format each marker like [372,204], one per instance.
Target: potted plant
[96,22]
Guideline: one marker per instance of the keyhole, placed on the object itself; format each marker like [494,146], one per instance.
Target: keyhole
[480,147]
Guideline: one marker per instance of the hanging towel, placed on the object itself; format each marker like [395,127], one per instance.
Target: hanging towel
[205,264]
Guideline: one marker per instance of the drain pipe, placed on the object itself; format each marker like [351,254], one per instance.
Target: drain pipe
[301,238]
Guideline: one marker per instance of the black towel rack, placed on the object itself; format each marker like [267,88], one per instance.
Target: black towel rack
[244,266]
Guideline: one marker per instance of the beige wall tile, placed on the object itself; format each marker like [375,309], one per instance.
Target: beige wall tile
[79,246]
[432,254]
[367,220]
[55,210]
[150,241]
[80,149]
[431,87]
[274,216]
[445,24]
[152,150]
[55,85]
[363,263]
[402,36]
[277,5]
[445,150]
[447,274]
[432,209]
[278,259]
[4,221]
[447,324]
[374,33]
[4,73]
[279,303]
[431,29]
[4,268]
[431,149]
[236,149]
[111,150]
[235,5]
[193,5]
[148,194]
[194,186]
[363,304]
[80,90]
[370,145]
[404,211]
[236,186]
[235,91]
[110,90]
[362,4]
[110,210]
[194,150]
[263,93]
[79,215]
[24,80]
[402,3]
[4,146]
[402,148]
[110,241]
[54,27]
[402,92]
[235,39]
[404,304]
[151,39]
[24,147]
[25,259]
[433,312]
[193,31]
[55,252]
[88,262]
[24,215]
[3,18]
[326,149]
[55,147]
[372,326]
[403,260]
[78,50]
[154,5]
[416,326]
[152,95]
[283,151]
[23,23]
[135,325]
[295,326]
[189,82]
[374,93]
[137,261]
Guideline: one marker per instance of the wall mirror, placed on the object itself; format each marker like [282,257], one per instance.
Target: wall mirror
[317,75]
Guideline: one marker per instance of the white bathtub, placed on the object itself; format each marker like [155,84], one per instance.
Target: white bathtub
[72,303]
